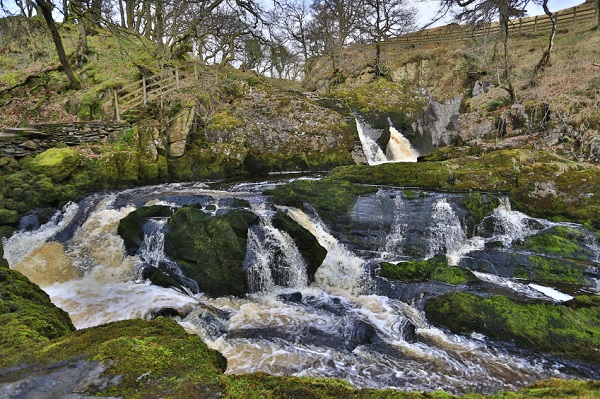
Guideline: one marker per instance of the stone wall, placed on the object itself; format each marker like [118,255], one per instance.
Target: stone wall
[20,142]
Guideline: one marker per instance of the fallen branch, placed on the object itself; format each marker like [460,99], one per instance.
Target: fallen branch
[30,78]
[596,65]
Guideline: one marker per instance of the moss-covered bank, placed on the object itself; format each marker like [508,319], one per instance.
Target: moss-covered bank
[570,329]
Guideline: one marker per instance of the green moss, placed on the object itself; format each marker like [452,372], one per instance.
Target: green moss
[196,241]
[571,332]
[416,270]
[384,99]
[452,275]
[8,216]
[28,318]
[559,241]
[553,270]
[56,163]
[153,358]
[478,206]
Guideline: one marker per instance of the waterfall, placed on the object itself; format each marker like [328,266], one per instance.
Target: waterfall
[373,152]
[341,271]
[272,258]
[398,148]
[397,233]
[152,250]
[89,276]
[447,234]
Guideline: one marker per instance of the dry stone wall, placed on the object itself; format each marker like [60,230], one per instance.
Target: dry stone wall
[20,142]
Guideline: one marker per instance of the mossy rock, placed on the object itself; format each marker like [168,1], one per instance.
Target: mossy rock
[29,320]
[538,183]
[332,199]
[452,275]
[535,268]
[259,386]
[563,241]
[211,249]
[564,330]
[308,245]
[56,163]
[152,358]
[478,207]
[131,227]
[415,270]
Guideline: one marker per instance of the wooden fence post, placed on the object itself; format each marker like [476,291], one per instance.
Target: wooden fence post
[117,113]
[177,77]
[535,24]
[574,15]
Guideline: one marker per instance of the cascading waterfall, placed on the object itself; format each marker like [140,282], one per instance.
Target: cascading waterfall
[398,148]
[272,258]
[373,152]
[338,326]
[397,233]
[447,234]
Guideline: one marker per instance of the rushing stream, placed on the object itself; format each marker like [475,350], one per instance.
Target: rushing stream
[348,323]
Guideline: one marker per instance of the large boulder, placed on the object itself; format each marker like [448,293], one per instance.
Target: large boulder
[211,249]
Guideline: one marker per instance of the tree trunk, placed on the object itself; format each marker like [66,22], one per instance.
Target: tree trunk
[545,60]
[129,14]
[46,9]
[159,28]
[96,9]
[378,71]
[504,25]
[148,13]
[122,14]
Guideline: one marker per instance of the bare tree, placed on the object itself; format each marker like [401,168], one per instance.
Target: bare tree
[339,20]
[383,19]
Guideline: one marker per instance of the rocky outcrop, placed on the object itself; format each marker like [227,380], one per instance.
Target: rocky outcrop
[179,130]
[29,320]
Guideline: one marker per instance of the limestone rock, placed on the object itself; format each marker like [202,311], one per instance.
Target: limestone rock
[472,127]
[490,100]
[179,130]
